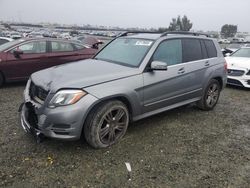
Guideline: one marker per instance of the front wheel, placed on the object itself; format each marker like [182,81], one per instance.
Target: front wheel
[106,124]
[210,96]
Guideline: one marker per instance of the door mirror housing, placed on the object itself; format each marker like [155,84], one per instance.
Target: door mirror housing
[159,65]
[17,53]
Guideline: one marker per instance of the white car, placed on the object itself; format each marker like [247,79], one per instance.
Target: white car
[5,40]
[238,65]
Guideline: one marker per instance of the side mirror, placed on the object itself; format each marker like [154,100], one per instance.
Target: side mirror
[17,53]
[227,54]
[159,65]
[96,45]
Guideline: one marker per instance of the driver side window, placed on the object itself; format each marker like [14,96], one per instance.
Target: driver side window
[169,51]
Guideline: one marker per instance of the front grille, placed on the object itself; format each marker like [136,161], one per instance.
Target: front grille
[248,82]
[233,72]
[37,93]
[32,117]
[234,82]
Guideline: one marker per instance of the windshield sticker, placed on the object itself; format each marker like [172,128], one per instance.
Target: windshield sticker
[143,43]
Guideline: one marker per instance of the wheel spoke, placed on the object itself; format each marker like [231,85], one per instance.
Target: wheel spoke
[214,87]
[111,136]
[209,100]
[120,126]
[104,132]
[119,115]
[108,117]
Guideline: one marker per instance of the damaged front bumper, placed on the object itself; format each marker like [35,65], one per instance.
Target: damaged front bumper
[23,113]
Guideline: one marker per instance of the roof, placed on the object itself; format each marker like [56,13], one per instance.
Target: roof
[152,36]
[155,36]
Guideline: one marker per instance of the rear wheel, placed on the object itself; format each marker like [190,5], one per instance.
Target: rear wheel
[1,79]
[106,124]
[210,96]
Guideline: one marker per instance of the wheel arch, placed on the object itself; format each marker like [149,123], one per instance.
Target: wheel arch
[219,79]
[121,98]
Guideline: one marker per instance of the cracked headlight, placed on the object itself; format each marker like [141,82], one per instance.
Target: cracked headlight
[66,97]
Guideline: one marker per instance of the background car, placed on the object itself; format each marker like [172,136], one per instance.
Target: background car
[5,40]
[239,68]
[20,58]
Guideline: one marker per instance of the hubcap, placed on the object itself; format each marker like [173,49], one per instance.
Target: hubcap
[113,124]
[212,95]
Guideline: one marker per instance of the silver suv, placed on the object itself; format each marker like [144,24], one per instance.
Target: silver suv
[135,76]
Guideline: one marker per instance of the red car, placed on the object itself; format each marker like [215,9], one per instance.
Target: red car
[20,58]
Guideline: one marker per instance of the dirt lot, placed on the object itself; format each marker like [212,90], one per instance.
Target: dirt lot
[184,147]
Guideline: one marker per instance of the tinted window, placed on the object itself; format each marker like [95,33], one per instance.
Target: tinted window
[169,51]
[33,47]
[211,50]
[61,46]
[191,50]
[203,49]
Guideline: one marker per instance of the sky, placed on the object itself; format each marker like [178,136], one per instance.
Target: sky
[206,15]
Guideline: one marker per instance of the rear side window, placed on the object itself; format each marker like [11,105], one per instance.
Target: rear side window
[169,51]
[78,46]
[61,46]
[211,50]
[191,50]
[203,49]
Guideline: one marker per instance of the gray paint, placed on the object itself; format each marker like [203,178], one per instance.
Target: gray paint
[148,92]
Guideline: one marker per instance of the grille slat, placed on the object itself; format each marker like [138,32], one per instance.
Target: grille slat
[37,93]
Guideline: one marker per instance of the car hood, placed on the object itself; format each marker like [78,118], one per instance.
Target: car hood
[81,74]
[240,62]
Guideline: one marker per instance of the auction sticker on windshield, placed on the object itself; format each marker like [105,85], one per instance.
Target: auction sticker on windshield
[143,43]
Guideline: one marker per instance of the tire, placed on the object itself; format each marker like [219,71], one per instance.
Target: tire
[210,96]
[1,79]
[106,124]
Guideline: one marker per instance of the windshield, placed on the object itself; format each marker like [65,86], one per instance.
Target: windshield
[243,52]
[7,45]
[125,51]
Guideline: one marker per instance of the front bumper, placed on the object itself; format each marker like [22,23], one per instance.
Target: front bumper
[242,81]
[64,122]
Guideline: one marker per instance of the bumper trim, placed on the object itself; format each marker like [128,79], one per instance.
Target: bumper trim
[27,127]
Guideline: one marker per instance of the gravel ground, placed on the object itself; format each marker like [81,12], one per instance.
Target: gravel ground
[184,147]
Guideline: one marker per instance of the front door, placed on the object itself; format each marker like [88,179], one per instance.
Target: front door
[32,60]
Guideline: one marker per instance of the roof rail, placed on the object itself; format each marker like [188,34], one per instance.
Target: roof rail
[183,33]
[135,32]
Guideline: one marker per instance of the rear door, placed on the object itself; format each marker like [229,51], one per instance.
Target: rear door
[63,52]
[182,81]
[196,62]
[32,60]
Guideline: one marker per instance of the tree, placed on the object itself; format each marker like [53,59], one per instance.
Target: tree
[162,29]
[228,30]
[180,24]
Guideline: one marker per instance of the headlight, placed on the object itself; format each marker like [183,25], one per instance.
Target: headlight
[66,97]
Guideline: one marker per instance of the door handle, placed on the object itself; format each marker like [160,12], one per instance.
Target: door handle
[181,70]
[207,63]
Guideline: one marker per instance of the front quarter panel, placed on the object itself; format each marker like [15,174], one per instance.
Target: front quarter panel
[130,88]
